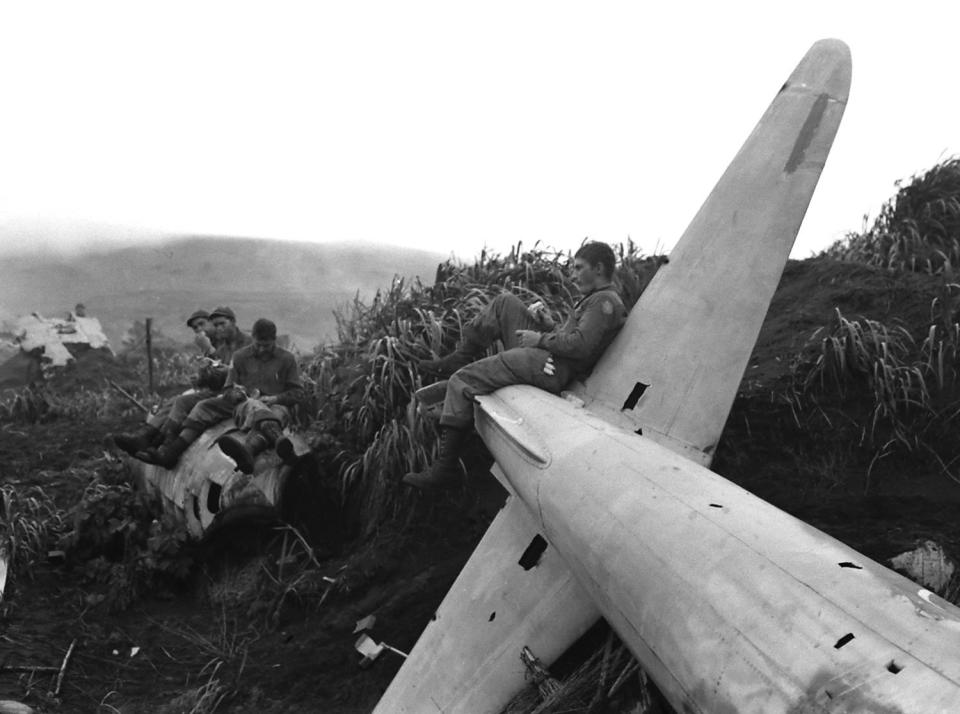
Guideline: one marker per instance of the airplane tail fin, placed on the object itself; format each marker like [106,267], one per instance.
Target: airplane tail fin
[674,369]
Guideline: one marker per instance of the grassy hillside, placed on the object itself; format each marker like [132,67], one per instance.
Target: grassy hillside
[296,284]
[848,417]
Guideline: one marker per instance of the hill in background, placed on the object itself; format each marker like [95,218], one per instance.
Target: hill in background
[298,285]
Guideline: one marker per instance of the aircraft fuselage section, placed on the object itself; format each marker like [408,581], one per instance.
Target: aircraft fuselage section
[729,603]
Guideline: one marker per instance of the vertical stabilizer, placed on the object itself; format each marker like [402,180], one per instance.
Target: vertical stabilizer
[674,370]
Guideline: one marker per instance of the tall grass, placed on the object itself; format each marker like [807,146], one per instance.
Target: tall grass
[918,229]
[363,384]
[873,382]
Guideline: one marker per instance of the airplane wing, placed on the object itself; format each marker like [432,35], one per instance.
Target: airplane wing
[672,372]
[510,595]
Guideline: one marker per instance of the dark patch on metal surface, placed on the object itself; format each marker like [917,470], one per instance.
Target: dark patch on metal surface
[715,505]
[638,389]
[213,497]
[492,617]
[807,132]
[847,564]
[893,667]
[844,640]
[639,432]
[531,556]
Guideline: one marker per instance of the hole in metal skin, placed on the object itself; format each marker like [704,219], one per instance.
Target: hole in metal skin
[850,565]
[715,505]
[492,616]
[213,497]
[843,640]
[639,432]
[531,556]
[638,389]
[893,667]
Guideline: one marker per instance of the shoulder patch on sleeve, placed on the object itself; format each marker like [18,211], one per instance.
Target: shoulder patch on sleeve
[607,307]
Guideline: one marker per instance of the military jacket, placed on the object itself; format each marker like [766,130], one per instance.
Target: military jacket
[276,375]
[589,329]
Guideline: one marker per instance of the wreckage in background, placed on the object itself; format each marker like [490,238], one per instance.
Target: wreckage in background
[32,345]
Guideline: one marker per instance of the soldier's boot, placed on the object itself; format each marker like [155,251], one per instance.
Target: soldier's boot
[445,472]
[167,454]
[280,441]
[244,449]
[143,438]
[470,349]
[176,439]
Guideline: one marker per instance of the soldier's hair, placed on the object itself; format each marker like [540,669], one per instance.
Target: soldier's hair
[596,253]
[264,329]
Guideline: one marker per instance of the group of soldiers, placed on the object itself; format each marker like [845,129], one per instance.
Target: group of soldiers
[246,377]
[257,383]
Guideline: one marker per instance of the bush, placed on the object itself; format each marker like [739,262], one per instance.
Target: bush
[918,229]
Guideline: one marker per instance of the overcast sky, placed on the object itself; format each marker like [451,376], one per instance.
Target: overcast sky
[441,125]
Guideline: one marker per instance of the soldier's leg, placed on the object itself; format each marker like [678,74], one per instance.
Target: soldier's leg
[500,320]
[263,427]
[203,415]
[481,377]
[146,435]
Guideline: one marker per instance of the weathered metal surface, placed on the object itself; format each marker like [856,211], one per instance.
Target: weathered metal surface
[730,604]
[621,512]
[468,657]
[690,336]
[204,489]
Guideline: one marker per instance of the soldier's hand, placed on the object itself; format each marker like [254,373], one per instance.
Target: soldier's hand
[528,338]
[549,368]
[538,311]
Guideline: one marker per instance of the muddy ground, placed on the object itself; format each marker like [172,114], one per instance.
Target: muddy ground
[225,637]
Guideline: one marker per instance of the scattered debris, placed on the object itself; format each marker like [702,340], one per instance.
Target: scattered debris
[928,565]
[63,668]
[371,649]
[365,623]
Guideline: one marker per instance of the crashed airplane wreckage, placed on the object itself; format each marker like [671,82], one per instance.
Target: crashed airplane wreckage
[53,342]
[205,491]
[729,604]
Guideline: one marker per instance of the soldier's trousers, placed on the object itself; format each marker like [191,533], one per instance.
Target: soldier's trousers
[247,414]
[515,365]
[176,410]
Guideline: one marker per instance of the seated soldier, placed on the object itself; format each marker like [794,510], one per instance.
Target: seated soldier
[229,338]
[207,383]
[263,382]
[537,352]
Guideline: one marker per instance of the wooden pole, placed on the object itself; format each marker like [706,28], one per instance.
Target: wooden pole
[149,357]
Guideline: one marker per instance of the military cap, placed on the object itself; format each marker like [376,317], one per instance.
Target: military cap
[264,329]
[197,315]
[223,312]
